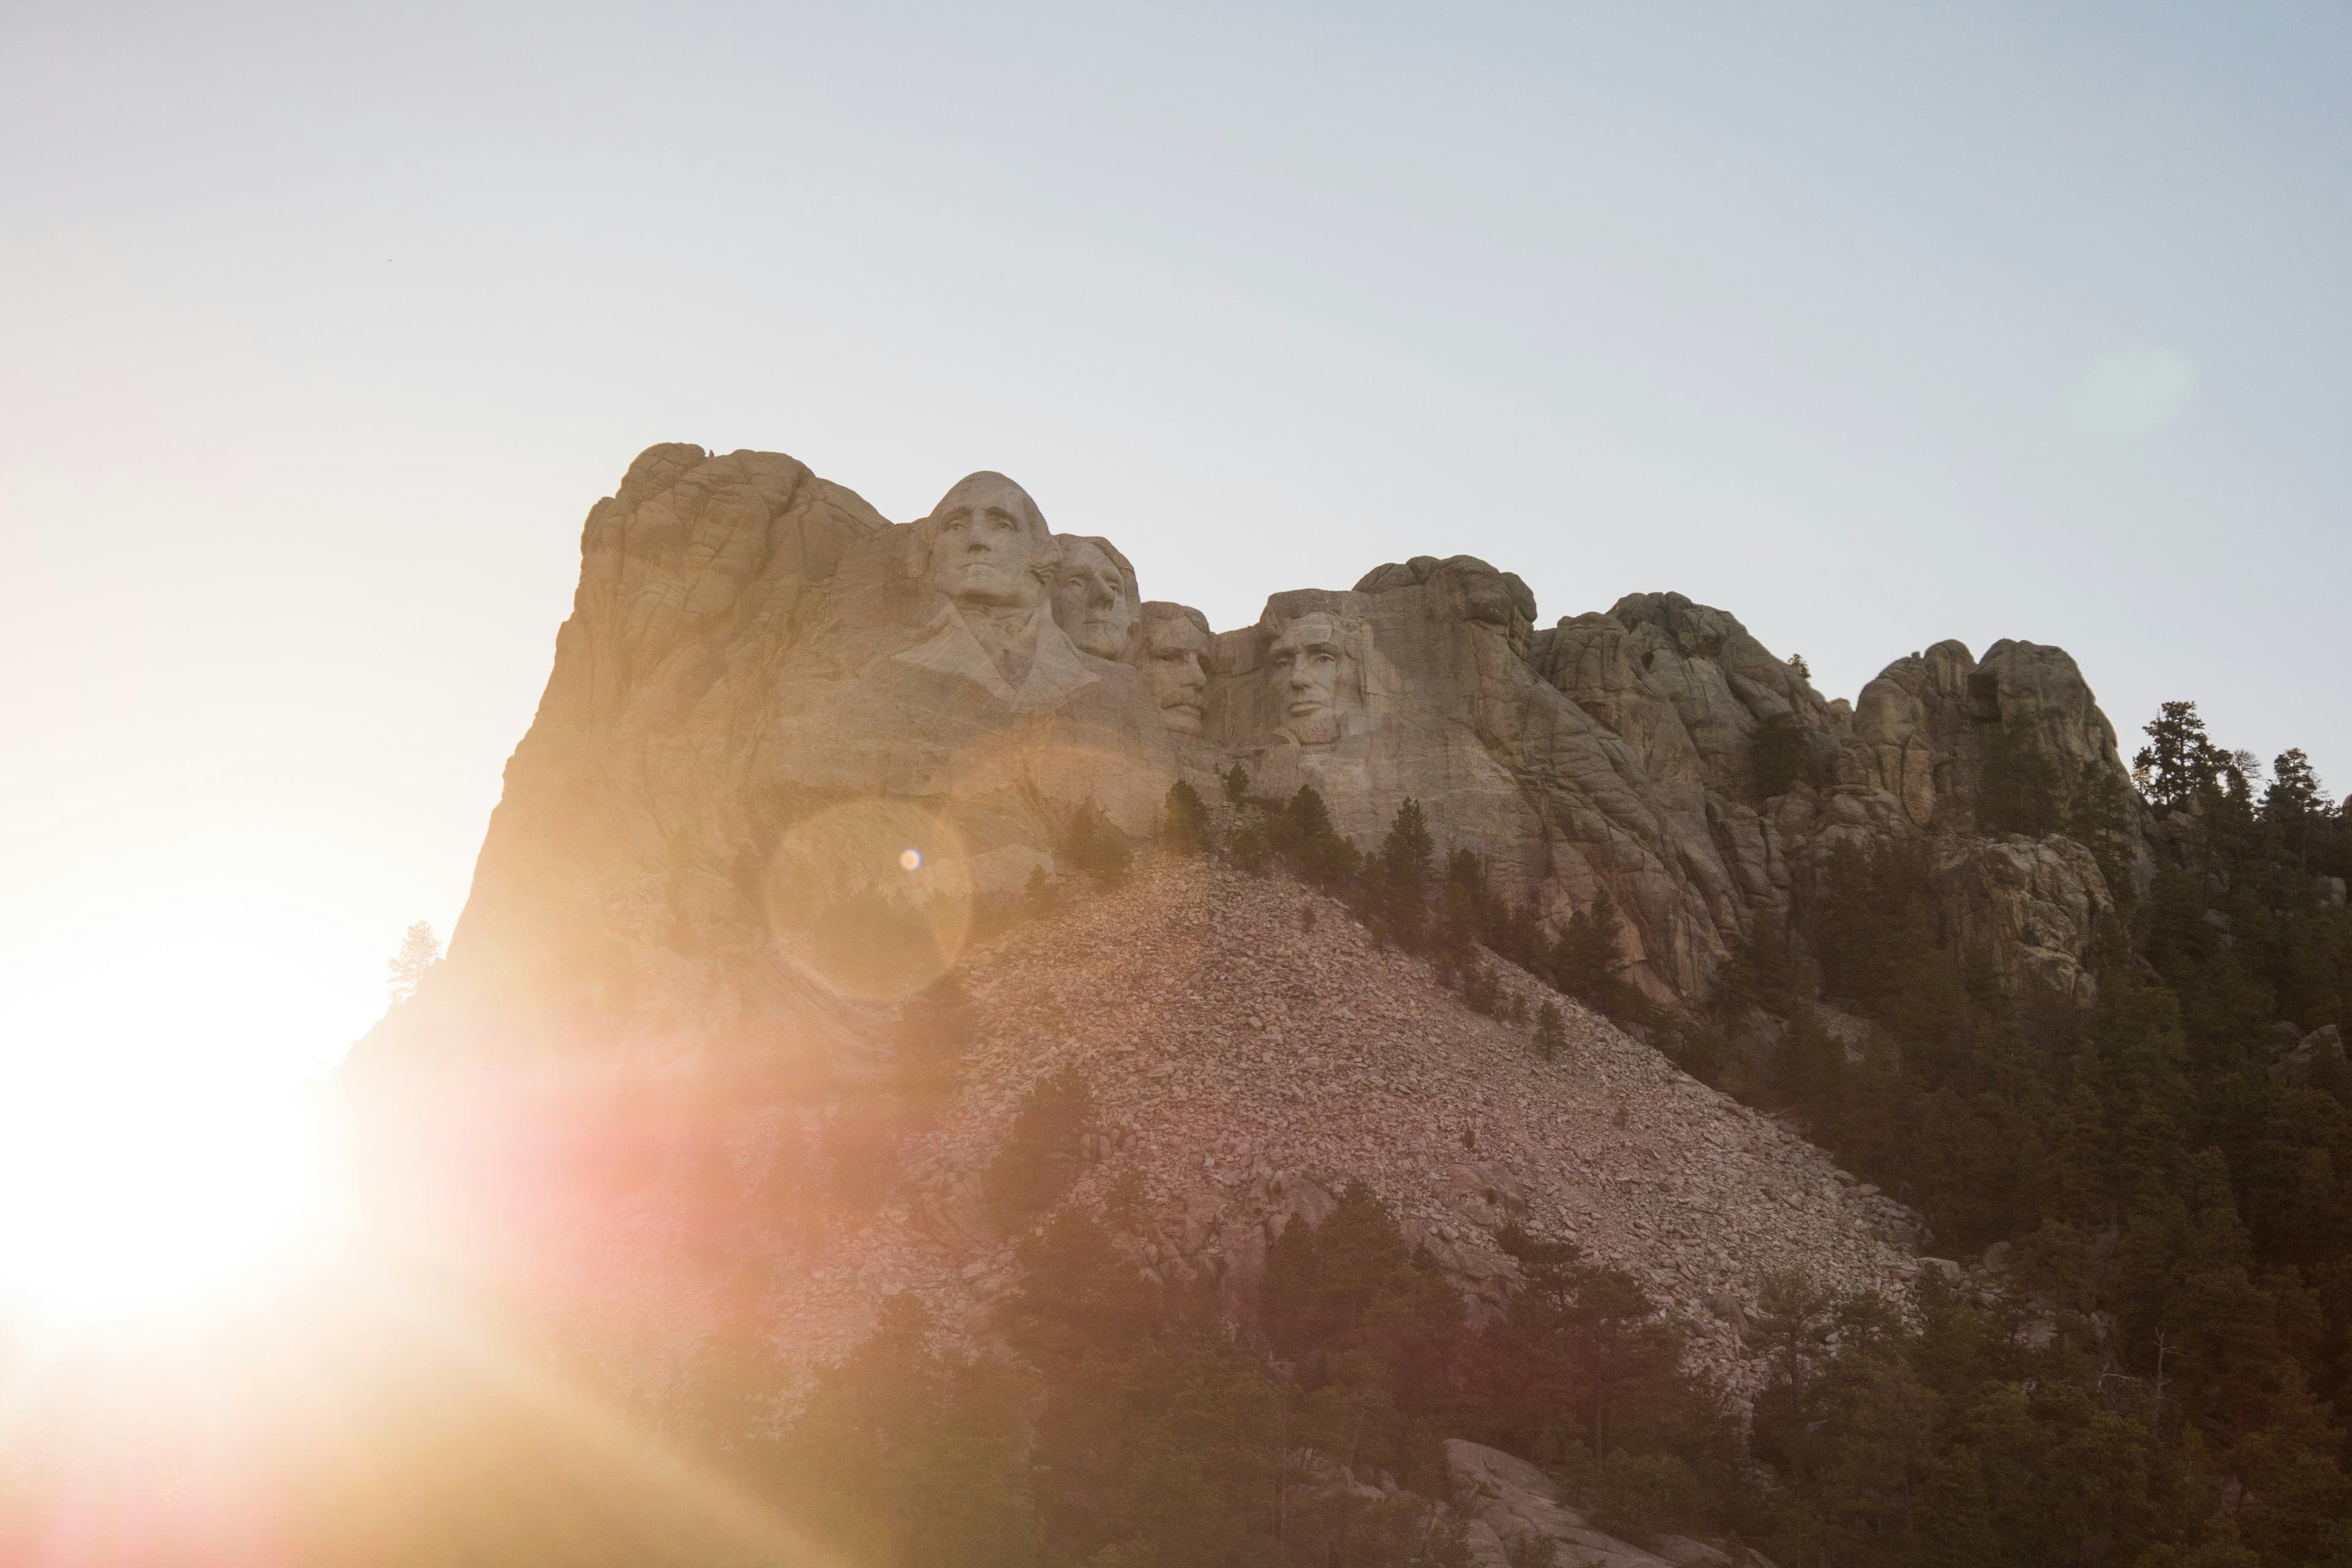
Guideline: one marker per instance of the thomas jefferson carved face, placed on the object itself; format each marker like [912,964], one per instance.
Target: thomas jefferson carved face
[1306,663]
[1173,643]
[989,544]
[1093,599]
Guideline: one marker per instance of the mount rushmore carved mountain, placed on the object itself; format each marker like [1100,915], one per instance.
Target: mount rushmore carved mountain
[842,977]
[771,708]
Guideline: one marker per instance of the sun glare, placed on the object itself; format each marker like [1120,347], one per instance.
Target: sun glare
[160,1141]
[124,1207]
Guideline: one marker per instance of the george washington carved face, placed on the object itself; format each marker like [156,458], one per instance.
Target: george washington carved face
[1174,638]
[989,544]
[1308,664]
[1095,597]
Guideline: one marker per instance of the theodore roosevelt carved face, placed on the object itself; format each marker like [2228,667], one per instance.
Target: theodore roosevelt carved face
[1175,636]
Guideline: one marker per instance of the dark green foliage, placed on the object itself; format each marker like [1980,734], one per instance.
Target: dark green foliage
[1551,1034]
[1096,847]
[1185,828]
[1588,1373]
[1236,782]
[1123,1207]
[1078,1300]
[1302,837]
[1783,755]
[1399,878]
[2179,763]
[1759,973]
[935,1028]
[1464,869]
[1039,891]
[2018,793]
[1329,1286]
[1480,990]
[2295,807]
[2176,1199]
[1879,948]
[1590,953]
[2099,817]
[1039,1159]
[1246,843]
[905,1455]
[2178,1203]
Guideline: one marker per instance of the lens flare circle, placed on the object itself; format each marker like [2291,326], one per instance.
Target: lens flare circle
[873,899]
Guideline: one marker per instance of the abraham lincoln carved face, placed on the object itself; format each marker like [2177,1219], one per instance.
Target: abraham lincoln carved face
[1308,664]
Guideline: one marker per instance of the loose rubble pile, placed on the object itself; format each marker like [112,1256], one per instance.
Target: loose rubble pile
[1251,1050]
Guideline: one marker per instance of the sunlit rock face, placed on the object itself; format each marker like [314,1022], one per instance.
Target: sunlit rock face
[789,747]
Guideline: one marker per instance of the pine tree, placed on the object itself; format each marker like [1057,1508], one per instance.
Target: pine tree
[1585,962]
[1302,835]
[2180,761]
[935,1028]
[2293,805]
[1039,1158]
[1402,899]
[1097,847]
[1551,1034]
[1186,826]
[1246,843]
[419,952]
[1236,782]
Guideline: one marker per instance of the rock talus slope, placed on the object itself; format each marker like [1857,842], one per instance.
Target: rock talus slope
[1245,1067]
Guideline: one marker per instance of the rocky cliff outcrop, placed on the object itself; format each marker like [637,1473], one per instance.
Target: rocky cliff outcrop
[794,760]
[778,721]
[2026,910]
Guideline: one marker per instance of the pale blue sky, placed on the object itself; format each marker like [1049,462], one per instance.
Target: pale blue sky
[321,328]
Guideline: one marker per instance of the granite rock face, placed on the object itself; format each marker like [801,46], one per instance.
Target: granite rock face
[2028,911]
[783,734]
[1515,1514]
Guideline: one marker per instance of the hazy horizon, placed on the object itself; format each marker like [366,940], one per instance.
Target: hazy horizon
[322,333]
